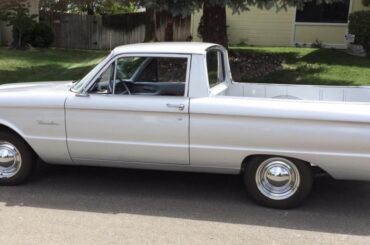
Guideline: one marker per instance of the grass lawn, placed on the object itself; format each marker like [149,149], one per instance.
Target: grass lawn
[302,66]
[46,65]
[315,66]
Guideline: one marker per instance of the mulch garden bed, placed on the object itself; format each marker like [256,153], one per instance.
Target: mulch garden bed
[246,66]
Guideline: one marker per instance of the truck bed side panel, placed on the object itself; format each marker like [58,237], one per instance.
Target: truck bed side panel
[334,136]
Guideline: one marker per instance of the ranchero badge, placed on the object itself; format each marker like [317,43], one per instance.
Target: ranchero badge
[43,123]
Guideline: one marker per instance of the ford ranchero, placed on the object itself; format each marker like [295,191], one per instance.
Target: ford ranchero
[174,106]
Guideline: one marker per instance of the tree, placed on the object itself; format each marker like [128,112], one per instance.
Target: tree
[150,25]
[90,7]
[214,23]
[61,6]
[175,7]
[16,14]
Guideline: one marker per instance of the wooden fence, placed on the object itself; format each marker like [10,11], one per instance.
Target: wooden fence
[78,31]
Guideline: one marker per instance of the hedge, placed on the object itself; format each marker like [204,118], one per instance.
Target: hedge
[359,25]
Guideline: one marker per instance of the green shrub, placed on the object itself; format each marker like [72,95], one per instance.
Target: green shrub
[42,35]
[17,15]
[317,44]
[359,25]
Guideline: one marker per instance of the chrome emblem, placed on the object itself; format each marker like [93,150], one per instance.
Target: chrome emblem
[43,123]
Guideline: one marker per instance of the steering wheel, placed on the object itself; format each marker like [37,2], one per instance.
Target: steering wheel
[123,83]
[127,90]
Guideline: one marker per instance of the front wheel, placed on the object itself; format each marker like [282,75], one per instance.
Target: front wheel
[17,159]
[278,182]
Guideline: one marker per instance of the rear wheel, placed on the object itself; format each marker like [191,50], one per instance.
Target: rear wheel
[17,160]
[278,182]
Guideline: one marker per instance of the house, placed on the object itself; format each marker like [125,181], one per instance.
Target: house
[327,24]
[5,31]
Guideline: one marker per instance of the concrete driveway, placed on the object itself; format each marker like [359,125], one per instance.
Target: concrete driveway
[69,205]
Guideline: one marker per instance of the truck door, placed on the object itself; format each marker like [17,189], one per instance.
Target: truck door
[135,111]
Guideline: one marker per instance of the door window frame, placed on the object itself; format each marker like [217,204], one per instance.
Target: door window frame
[114,59]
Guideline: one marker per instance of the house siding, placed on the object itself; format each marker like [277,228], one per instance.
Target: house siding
[195,20]
[330,35]
[34,6]
[357,6]
[261,27]
[278,28]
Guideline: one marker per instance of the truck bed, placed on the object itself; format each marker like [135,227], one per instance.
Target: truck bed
[300,92]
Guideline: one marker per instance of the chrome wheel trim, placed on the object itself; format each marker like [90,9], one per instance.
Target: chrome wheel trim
[10,160]
[278,178]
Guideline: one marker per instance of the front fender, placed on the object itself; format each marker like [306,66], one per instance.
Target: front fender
[42,128]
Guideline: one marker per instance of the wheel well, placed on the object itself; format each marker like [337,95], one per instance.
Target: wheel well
[4,128]
[316,169]
[249,158]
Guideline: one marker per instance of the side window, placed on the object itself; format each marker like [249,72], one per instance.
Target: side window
[126,67]
[149,72]
[216,68]
[105,82]
[151,76]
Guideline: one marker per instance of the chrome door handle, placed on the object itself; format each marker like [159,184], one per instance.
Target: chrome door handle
[181,107]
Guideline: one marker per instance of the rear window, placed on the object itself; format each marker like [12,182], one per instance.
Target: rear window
[216,67]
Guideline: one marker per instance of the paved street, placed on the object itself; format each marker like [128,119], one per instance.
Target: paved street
[66,205]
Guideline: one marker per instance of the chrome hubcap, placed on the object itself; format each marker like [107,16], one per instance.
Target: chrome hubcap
[10,160]
[278,178]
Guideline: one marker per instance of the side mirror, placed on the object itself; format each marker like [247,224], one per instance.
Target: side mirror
[83,94]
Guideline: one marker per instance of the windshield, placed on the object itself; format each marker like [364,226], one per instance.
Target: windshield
[80,85]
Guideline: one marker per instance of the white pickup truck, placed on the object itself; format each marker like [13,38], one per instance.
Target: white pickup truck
[174,106]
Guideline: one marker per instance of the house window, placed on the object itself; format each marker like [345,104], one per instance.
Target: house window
[336,12]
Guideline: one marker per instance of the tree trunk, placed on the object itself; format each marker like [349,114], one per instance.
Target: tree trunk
[214,21]
[90,11]
[90,8]
[150,25]
[19,40]
[169,32]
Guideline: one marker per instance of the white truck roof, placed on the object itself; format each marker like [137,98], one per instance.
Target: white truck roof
[165,48]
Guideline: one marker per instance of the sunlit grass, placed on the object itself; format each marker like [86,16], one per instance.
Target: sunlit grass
[315,66]
[46,65]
